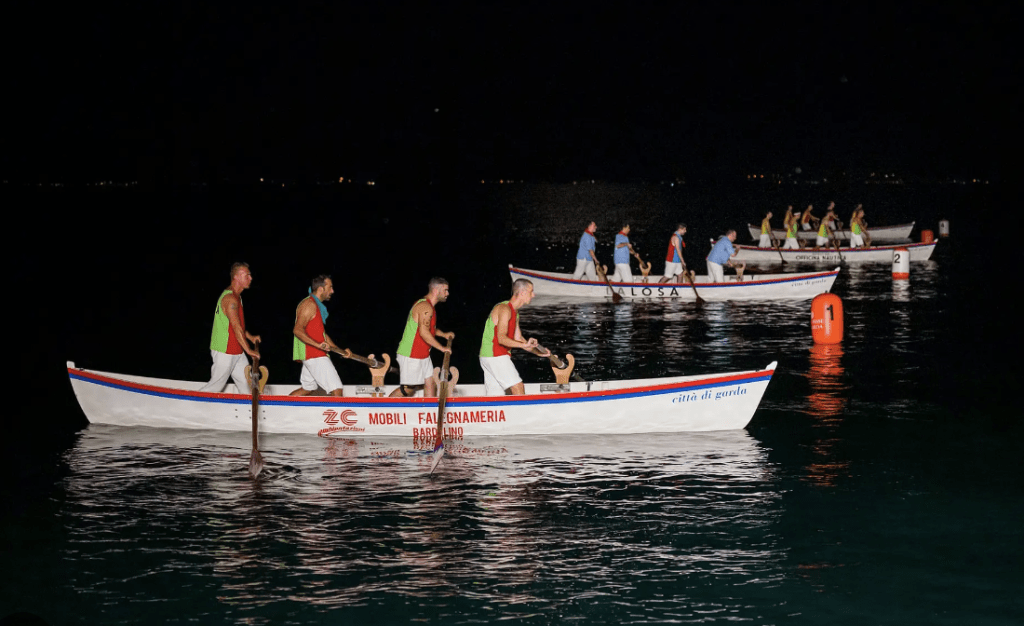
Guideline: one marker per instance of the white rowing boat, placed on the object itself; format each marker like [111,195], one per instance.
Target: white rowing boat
[655,405]
[899,232]
[873,254]
[749,287]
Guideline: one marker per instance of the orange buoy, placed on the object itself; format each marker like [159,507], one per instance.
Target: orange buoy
[927,236]
[827,318]
[901,263]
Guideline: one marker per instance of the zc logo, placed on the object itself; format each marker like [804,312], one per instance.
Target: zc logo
[331,417]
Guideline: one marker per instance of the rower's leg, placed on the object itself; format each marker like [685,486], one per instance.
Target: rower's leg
[518,389]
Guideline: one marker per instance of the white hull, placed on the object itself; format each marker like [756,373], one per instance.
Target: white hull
[899,232]
[658,405]
[874,254]
[759,287]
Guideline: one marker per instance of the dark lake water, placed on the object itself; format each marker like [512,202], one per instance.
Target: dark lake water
[879,482]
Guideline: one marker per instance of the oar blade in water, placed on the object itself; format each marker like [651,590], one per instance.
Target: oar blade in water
[255,463]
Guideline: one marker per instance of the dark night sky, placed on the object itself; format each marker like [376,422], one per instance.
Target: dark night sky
[177,92]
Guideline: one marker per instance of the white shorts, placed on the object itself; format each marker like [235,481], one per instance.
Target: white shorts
[499,374]
[585,266]
[673,269]
[765,241]
[715,273]
[622,274]
[319,372]
[821,241]
[414,371]
[227,366]
[805,226]
[791,244]
[856,241]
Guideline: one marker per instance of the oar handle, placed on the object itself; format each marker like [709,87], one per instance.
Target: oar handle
[256,359]
[447,360]
[348,354]
[552,357]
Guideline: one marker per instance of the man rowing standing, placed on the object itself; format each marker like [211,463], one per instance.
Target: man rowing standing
[858,228]
[229,341]
[622,251]
[675,265]
[586,260]
[418,338]
[805,221]
[792,223]
[501,334]
[766,232]
[311,343]
[825,227]
[721,254]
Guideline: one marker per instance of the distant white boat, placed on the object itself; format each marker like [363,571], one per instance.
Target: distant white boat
[899,232]
[751,287]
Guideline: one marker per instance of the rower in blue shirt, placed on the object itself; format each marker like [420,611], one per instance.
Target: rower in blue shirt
[622,251]
[720,255]
[586,260]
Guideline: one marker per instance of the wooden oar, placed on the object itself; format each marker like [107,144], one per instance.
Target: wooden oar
[442,397]
[645,268]
[689,277]
[835,244]
[255,459]
[775,242]
[374,363]
[616,298]
[556,362]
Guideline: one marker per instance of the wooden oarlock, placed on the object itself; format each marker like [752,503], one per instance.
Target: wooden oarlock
[645,269]
[563,373]
[453,372]
[263,376]
[377,375]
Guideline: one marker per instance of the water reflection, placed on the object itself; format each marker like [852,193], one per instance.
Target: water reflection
[334,521]
[827,404]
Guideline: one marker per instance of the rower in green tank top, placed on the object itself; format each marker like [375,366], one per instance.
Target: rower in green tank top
[229,340]
[501,334]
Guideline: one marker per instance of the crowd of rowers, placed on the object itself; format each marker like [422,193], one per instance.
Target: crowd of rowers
[722,252]
[826,227]
[231,343]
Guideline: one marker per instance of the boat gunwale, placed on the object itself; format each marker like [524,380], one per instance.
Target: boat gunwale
[597,395]
[844,250]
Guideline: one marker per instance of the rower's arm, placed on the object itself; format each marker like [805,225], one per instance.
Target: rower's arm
[303,314]
[330,342]
[423,328]
[501,329]
[242,337]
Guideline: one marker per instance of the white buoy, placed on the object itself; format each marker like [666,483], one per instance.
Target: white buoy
[900,264]
[944,228]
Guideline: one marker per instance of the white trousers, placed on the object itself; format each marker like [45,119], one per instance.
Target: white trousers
[791,244]
[715,273]
[673,269]
[856,241]
[414,371]
[585,266]
[622,274]
[765,241]
[499,374]
[227,366]
[319,372]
